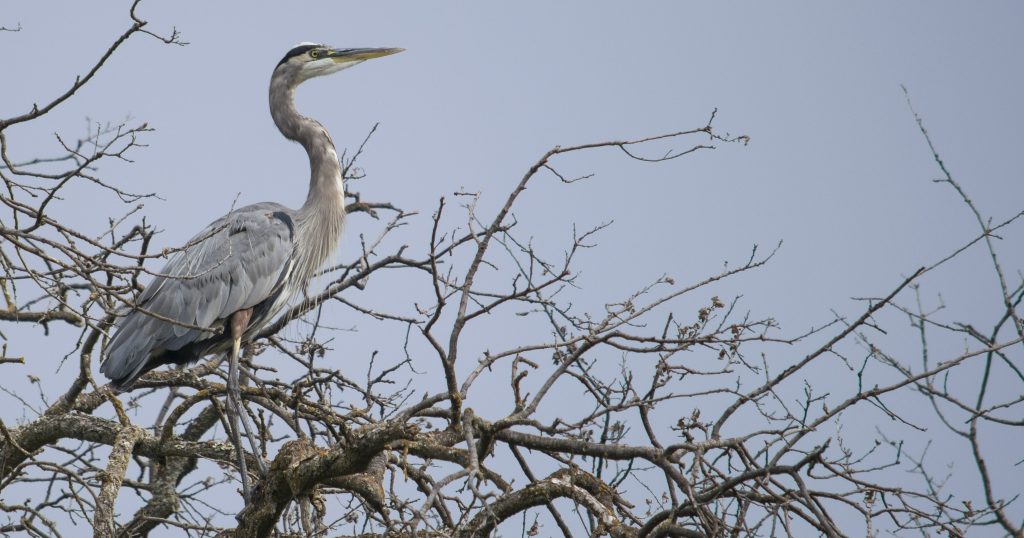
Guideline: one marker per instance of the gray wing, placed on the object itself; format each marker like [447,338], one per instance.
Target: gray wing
[237,262]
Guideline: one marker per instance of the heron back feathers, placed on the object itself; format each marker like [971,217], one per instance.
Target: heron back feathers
[239,261]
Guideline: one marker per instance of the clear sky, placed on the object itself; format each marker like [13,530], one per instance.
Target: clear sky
[836,167]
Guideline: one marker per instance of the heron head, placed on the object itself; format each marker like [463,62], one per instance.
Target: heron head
[308,60]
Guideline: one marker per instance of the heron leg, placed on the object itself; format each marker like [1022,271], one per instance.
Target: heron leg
[253,443]
[238,322]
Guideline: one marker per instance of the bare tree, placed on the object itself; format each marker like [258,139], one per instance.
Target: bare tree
[496,405]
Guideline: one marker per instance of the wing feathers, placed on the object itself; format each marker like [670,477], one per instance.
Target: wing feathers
[237,262]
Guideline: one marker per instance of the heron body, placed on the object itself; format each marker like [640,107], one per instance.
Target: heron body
[251,261]
[243,260]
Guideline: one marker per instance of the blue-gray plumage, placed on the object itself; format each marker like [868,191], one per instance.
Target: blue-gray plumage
[239,272]
[250,261]
[242,260]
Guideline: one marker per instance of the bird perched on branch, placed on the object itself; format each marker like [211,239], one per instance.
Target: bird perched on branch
[234,276]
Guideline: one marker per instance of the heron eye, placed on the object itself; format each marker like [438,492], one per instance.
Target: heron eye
[314,53]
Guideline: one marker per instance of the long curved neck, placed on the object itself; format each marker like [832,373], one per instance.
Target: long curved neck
[319,221]
[325,177]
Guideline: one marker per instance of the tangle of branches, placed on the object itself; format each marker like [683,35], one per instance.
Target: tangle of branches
[493,401]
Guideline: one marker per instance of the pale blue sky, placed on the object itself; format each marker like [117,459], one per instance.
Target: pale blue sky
[836,167]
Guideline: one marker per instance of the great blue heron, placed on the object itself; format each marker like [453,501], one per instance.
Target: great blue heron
[236,274]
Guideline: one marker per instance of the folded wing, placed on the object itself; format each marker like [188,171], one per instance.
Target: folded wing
[239,261]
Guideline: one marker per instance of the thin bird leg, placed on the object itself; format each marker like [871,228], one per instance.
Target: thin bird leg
[238,322]
[248,432]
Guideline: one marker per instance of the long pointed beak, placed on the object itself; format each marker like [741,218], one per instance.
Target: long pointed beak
[352,55]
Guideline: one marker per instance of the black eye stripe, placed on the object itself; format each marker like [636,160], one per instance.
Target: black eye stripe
[301,49]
